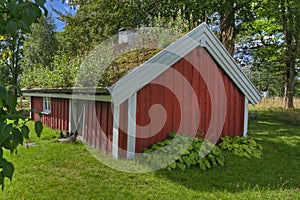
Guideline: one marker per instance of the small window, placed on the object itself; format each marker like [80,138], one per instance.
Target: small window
[46,105]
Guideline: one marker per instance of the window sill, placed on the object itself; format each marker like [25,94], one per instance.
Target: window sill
[46,112]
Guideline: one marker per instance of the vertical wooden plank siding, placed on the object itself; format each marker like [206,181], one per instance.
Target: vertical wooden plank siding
[98,125]
[59,116]
[36,104]
[123,127]
[156,94]
[110,122]
[98,120]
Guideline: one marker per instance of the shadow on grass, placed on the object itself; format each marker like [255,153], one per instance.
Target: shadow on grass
[278,169]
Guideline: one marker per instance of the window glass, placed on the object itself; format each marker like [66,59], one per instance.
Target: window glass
[46,105]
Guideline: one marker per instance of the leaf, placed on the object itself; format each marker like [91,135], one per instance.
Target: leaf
[160,144]
[11,27]
[38,127]
[6,131]
[13,8]
[40,2]
[2,180]
[181,166]
[7,168]
[202,165]
[172,165]
[17,136]
[214,163]
[35,111]
[252,142]
[248,150]
[220,160]
[207,163]
[25,131]
[172,134]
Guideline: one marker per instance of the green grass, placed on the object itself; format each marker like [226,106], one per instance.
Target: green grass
[50,170]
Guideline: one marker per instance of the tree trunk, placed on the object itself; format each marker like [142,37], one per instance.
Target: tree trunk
[227,31]
[290,23]
[289,88]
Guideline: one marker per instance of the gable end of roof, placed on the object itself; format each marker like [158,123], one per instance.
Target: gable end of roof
[200,36]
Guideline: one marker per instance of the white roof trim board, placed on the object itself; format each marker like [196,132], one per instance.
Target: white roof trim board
[200,36]
[92,97]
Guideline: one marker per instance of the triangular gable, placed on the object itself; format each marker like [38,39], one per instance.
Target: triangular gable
[200,36]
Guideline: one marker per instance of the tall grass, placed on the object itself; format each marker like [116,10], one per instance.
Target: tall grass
[274,102]
[289,116]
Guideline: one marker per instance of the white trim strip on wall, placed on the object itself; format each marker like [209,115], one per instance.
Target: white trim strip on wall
[131,133]
[115,140]
[246,111]
[70,115]
[30,106]
[105,98]
[83,120]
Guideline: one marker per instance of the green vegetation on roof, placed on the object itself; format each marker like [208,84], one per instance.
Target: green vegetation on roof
[124,64]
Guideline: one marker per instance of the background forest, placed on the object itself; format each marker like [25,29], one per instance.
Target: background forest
[262,35]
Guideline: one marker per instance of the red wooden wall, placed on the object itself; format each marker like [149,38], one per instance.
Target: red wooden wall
[98,125]
[59,116]
[154,93]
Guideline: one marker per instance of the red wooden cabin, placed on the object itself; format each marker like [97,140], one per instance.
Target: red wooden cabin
[193,86]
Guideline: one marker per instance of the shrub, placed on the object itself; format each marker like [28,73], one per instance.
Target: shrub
[181,151]
[242,146]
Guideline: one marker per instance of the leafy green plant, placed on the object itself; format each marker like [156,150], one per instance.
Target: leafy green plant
[242,146]
[181,151]
[13,130]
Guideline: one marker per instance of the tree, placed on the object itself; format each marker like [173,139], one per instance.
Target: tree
[11,50]
[94,21]
[16,17]
[290,21]
[40,45]
[225,15]
[274,40]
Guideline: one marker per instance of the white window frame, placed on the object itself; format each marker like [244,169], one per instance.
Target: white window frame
[46,105]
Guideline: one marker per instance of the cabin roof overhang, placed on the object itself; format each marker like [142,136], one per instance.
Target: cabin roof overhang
[86,93]
[200,36]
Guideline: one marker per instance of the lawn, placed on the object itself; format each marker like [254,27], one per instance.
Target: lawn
[50,170]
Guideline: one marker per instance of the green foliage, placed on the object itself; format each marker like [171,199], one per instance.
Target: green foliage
[13,130]
[62,74]
[95,21]
[242,146]
[272,39]
[181,151]
[41,44]
[16,17]
[123,64]
[19,15]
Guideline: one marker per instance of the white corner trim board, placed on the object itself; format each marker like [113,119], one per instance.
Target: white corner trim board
[70,115]
[246,112]
[115,143]
[131,126]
